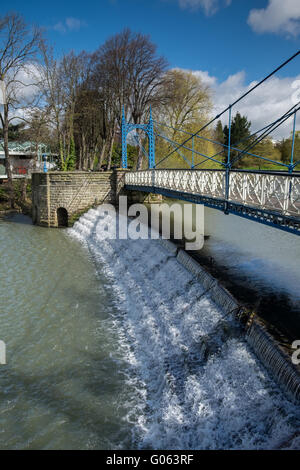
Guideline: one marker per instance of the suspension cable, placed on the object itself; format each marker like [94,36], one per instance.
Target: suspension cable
[270,127]
[267,130]
[234,103]
[259,139]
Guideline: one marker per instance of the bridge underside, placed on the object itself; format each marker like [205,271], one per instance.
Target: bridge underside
[266,217]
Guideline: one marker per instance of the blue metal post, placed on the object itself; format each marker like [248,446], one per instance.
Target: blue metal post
[193,152]
[45,163]
[151,142]
[291,166]
[228,164]
[124,141]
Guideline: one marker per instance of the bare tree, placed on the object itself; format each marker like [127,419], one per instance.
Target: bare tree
[187,100]
[62,85]
[74,71]
[18,48]
[130,74]
[54,95]
[38,130]
[108,82]
[186,106]
[88,128]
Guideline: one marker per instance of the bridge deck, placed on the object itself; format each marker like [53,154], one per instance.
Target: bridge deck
[267,197]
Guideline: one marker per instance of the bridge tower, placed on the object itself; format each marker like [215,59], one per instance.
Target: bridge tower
[148,129]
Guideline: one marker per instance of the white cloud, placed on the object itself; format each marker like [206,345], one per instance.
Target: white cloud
[21,85]
[60,27]
[2,92]
[210,7]
[280,16]
[22,91]
[206,78]
[69,24]
[263,106]
[73,24]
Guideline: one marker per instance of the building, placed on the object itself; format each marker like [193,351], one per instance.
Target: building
[25,157]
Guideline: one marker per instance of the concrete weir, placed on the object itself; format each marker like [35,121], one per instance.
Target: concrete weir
[275,359]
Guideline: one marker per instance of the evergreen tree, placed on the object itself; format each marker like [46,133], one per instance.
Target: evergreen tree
[219,133]
[240,131]
[285,148]
[220,137]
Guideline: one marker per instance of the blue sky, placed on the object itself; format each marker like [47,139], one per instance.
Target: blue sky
[229,42]
[193,38]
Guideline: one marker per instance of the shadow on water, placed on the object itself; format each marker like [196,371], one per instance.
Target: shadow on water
[17,218]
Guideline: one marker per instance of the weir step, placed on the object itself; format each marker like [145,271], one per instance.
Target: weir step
[276,361]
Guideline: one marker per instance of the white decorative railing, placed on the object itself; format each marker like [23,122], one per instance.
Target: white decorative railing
[269,191]
[280,193]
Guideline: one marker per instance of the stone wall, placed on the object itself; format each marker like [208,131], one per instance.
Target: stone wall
[74,191]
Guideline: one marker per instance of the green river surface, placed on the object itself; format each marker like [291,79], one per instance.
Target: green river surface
[60,388]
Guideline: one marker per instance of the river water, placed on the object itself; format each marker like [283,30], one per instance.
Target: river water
[104,351]
[266,255]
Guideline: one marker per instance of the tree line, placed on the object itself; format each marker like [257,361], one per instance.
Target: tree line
[243,138]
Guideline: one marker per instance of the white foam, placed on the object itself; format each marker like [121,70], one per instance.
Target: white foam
[181,400]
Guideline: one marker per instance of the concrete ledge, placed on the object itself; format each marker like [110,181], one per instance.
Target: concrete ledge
[169,246]
[196,269]
[276,361]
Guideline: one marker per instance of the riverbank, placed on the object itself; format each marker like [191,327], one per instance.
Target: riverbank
[22,203]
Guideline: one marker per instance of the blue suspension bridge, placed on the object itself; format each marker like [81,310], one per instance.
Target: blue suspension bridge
[268,197]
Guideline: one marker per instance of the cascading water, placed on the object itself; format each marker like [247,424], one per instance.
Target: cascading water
[275,360]
[196,383]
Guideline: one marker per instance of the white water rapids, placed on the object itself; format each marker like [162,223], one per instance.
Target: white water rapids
[182,399]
